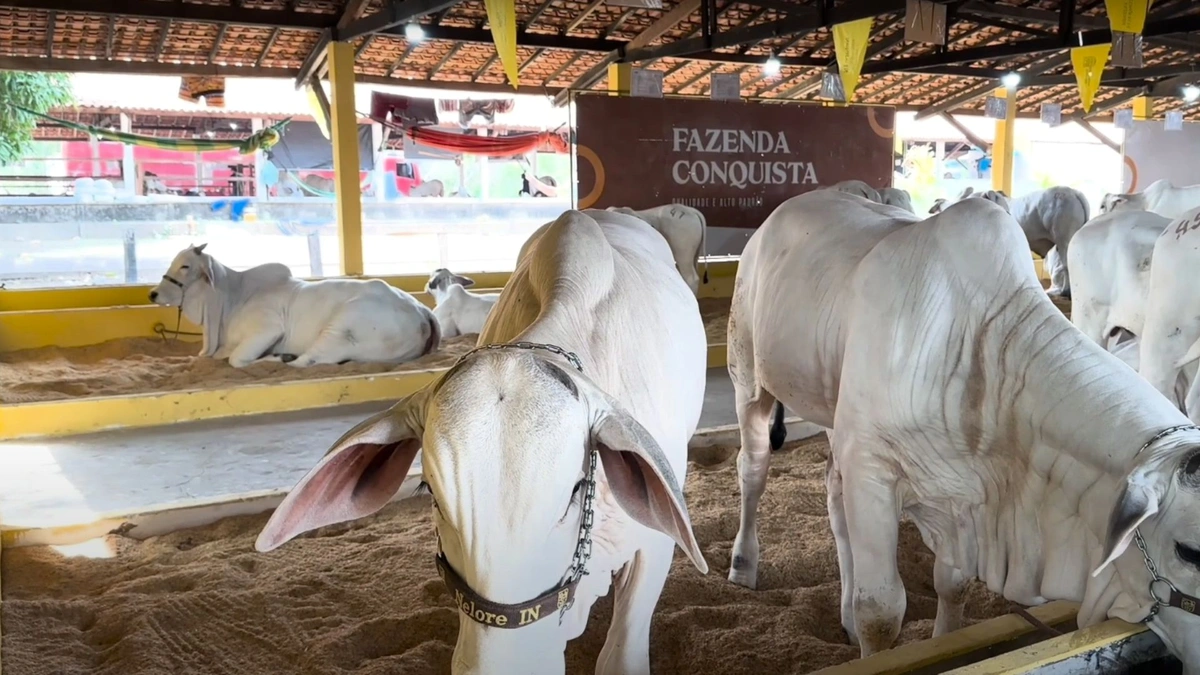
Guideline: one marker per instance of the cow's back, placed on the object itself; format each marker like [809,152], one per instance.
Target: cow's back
[792,287]
[605,283]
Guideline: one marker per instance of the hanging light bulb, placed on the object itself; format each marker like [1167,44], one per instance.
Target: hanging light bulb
[772,65]
[1191,93]
[414,32]
[1011,80]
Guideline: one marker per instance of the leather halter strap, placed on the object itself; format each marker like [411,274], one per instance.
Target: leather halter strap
[496,615]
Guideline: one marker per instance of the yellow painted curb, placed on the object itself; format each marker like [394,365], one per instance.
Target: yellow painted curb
[963,641]
[67,417]
[1061,648]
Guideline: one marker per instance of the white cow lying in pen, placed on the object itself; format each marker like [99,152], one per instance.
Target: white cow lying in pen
[1110,264]
[686,233]
[589,381]
[458,311]
[1161,197]
[266,314]
[960,397]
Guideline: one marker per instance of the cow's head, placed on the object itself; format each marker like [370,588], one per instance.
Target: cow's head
[508,438]
[189,266]
[1160,500]
[442,279]
[1122,202]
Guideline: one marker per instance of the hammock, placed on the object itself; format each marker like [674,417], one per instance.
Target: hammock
[260,140]
[492,146]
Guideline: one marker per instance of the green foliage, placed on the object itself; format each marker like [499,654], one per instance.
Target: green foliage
[35,91]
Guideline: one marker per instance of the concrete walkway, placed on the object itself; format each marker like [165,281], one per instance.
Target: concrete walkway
[74,480]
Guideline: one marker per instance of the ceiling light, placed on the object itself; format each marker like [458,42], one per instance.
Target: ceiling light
[1011,80]
[233,125]
[772,65]
[1191,93]
[414,32]
[210,134]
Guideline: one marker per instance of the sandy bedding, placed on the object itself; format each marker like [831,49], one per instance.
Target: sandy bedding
[366,599]
[141,365]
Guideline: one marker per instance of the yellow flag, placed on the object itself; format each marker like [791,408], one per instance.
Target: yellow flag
[502,16]
[1088,63]
[1127,16]
[314,107]
[850,42]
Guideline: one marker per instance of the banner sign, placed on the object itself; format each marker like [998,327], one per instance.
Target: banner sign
[735,161]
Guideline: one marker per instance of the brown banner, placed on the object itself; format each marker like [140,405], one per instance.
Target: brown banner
[735,161]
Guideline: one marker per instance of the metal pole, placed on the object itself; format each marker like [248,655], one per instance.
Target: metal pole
[131,271]
[315,268]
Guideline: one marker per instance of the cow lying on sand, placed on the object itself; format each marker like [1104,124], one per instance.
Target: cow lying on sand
[266,314]
[959,396]
[589,380]
[458,311]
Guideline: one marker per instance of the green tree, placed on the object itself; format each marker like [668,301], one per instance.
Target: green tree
[35,91]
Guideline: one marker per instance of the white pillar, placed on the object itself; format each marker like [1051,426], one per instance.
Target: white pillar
[128,162]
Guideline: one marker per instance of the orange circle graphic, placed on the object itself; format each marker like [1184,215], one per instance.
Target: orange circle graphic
[878,128]
[584,152]
[1132,174]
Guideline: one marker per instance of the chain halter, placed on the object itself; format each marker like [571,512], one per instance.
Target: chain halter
[562,596]
[1175,597]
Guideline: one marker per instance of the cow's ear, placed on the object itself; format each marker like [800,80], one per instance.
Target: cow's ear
[199,249]
[937,206]
[1138,501]
[641,480]
[465,282]
[359,475]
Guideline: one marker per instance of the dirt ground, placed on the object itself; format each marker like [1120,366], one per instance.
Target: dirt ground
[140,365]
[366,598]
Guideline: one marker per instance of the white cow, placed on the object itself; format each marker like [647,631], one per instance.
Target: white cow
[1050,218]
[896,197]
[960,397]
[513,435]
[458,311]
[1109,261]
[686,233]
[1171,334]
[859,188]
[1161,197]
[266,314]
[994,196]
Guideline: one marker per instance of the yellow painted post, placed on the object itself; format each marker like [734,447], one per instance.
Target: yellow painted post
[620,76]
[1143,108]
[345,156]
[1002,146]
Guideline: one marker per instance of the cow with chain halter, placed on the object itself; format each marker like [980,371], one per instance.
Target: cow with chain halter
[554,453]
[959,397]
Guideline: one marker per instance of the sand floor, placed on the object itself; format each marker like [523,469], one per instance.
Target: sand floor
[141,365]
[366,599]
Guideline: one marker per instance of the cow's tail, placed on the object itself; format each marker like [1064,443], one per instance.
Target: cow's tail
[704,243]
[435,335]
[778,428]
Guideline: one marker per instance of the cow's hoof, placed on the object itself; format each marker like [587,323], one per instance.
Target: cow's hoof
[747,577]
[287,358]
